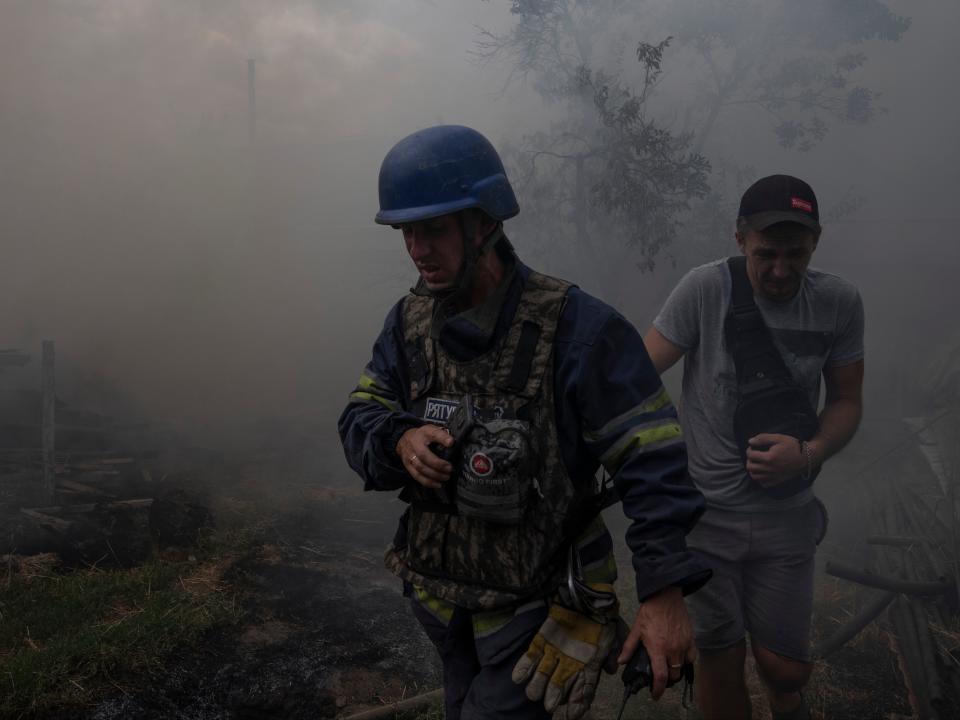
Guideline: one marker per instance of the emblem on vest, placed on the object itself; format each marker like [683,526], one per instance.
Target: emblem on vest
[481,464]
[439,411]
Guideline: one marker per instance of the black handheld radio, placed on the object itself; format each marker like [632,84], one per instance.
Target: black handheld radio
[637,674]
[459,425]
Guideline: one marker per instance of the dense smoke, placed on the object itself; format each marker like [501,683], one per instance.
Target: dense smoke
[192,273]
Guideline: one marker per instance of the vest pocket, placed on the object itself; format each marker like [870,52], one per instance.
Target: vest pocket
[426,541]
[512,558]
[487,554]
[496,476]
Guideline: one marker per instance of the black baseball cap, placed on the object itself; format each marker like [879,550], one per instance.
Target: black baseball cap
[779,198]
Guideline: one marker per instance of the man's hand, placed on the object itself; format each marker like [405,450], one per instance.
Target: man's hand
[422,464]
[663,626]
[773,459]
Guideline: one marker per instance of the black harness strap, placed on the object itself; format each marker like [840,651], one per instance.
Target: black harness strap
[770,399]
[419,365]
[523,358]
[759,364]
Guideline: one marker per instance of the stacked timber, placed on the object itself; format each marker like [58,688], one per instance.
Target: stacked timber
[82,475]
[913,572]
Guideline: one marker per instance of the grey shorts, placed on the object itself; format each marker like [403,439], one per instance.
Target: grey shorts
[763,566]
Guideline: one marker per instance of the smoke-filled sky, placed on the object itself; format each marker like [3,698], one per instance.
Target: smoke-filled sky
[192,275]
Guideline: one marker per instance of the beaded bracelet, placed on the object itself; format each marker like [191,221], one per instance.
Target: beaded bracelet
[808,453]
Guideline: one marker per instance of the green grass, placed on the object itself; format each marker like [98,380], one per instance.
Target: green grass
[67,637]
[434,712]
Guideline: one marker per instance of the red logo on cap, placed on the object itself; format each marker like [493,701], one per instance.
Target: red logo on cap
[481,464]
[801,204]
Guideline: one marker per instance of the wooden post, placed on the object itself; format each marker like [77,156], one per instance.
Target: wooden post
[48,435]
[251,100]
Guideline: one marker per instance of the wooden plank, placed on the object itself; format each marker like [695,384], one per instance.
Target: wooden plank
[48,420]
[48,521]
[137,504]
[403,706]
[117,461]
[98,464]
[849,631]
[95,475]
[891,584]
[77,487]
[900,540]
[13,358]
[38,450]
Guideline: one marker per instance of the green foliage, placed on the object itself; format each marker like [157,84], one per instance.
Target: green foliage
[431,713]
[64,637]
[649,174]
[608,168]
[626,163]
[794,62]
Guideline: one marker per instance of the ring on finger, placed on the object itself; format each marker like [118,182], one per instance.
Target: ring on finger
[413,458]
[676,667]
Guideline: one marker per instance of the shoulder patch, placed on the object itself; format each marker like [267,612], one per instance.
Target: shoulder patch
[438,410]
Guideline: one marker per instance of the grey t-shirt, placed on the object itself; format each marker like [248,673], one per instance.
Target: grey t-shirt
[821,326]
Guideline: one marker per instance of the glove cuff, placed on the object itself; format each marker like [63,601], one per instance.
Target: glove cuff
[598,601]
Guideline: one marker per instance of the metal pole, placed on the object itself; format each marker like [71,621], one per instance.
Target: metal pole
[251,99]
[391,710]
[849,631]
[48,421]
[890,584]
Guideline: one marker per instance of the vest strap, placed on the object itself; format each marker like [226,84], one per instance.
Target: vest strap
[419,348]
[523,355]
[523,359]
[528,346]
[757,360]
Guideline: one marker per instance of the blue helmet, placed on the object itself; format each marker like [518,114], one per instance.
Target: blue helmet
[441,170]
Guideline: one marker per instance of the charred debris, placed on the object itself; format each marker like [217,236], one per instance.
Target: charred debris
[908,574]
[80,483]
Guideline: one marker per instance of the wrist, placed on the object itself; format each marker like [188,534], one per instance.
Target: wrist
[670,592]
[391,443]
[818,453]
[808,459]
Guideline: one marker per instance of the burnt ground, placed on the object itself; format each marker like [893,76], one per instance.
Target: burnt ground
[325,631]
[861,680]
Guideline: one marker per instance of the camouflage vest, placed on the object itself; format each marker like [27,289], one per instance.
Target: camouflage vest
[492,551]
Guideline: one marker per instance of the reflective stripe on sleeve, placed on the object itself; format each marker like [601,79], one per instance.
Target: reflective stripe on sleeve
[655,402]
[370,389]
[367,397]
[644,438]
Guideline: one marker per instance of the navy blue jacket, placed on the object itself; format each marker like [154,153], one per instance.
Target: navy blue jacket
[611,409]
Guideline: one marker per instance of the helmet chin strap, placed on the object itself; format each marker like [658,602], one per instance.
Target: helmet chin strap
[459,289]
[469,229]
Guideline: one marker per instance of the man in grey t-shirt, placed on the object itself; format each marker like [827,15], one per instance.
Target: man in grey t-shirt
[761,545]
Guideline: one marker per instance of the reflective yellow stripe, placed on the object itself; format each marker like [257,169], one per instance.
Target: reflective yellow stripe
[357,395]
[440,609]
[487,623]
[651,437]
[603,571]
[367,381]
[657,401]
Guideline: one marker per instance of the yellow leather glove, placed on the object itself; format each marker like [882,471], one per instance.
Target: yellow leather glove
[562,665]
